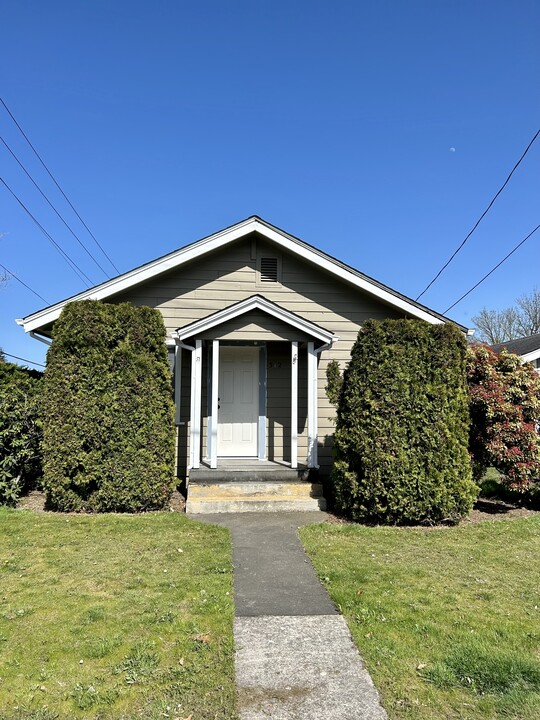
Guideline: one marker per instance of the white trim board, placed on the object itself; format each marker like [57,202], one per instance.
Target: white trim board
[531,356]
[255,302]
[127,280]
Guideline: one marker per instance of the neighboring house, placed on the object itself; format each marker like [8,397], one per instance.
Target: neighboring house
[527,347]
[253,316]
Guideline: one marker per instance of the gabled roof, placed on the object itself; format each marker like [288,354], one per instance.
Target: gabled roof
[255,302]
[176,259]
[528,347]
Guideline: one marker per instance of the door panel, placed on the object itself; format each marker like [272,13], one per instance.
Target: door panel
[238,413]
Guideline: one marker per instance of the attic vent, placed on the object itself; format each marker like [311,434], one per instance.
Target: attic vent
[269,270]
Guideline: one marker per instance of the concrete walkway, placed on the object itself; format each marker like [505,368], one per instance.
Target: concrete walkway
[295,659]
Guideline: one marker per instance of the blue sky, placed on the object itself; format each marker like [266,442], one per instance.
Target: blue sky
[376,131]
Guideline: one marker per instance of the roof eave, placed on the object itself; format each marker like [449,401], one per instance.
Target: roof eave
[212,242]
[530,356]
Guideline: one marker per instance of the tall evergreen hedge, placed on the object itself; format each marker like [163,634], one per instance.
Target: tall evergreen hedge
[20,431]
[108,413]
[402,426]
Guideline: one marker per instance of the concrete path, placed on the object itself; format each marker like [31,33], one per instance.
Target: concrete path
[295,659]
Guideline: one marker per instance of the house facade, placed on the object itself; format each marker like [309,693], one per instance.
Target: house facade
[527,347]
[253,317]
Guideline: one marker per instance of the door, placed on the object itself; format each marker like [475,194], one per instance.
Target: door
[238,414]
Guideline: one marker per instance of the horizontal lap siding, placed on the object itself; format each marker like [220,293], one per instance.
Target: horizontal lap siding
[227,276]
[255,325]
[278,403]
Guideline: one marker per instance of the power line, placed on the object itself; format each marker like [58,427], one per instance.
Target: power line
[72,264]
[498,265]
[18,279]
[53,207]
[57,185]
[482,216]
[20,358]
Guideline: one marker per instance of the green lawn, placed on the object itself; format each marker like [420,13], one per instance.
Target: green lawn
[447,619]
[114,616]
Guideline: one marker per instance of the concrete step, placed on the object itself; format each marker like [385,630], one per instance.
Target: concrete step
[254,496]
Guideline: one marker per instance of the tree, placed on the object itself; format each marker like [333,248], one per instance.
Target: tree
[108,413]
[504,410]
[520,320]
[529,314]
[20,431]
[402,425]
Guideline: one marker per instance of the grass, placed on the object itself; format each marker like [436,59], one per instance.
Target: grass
[446,619]
[114,616]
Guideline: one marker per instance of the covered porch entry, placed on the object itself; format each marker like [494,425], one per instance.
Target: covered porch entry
[246,385]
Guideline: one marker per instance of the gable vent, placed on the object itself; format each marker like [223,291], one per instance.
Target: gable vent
[269,270]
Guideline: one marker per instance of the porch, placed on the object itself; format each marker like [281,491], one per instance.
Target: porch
[243,469]
[246,393]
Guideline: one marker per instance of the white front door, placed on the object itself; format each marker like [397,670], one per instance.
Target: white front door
[238,414]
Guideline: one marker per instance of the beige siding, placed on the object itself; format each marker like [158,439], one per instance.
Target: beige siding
[183,427]
[227,276]
[254,325]
[278,403]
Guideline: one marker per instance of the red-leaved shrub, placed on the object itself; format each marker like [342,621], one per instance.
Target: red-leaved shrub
[505,416]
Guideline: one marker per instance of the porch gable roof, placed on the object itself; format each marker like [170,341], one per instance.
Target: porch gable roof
[255,302]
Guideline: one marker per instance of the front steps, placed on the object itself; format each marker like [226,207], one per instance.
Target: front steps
[253,495]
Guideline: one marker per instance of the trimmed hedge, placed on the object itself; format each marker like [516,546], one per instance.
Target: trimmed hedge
[20,431]
[402,426]
[108,412]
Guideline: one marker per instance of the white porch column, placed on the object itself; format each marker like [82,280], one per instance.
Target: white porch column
[312,420]
[214,409]
[195,423]
[177,382]
[294,404]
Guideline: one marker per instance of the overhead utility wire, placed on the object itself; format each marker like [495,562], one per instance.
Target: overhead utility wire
[53,207]
[482,216]
[18,279]
[23,359]
[72,264]
[57,185]
[498,265]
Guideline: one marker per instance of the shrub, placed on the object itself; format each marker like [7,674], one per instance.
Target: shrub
[402,426]
[20,431]
[505,411]
[334,382]
[108,411]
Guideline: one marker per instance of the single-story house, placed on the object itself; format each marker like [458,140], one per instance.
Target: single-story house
[253,316]
[528,347]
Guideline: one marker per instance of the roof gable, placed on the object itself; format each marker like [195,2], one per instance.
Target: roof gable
[110,288]
[255,302]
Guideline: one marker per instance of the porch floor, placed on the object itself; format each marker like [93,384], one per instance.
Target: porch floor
[249,470]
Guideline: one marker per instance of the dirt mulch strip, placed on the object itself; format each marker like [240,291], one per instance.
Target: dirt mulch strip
[485,510]
[35,501]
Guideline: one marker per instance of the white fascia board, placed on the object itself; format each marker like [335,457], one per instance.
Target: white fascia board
[214,242]
[531,356]
[139,275]
[344,274]
[255,303]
